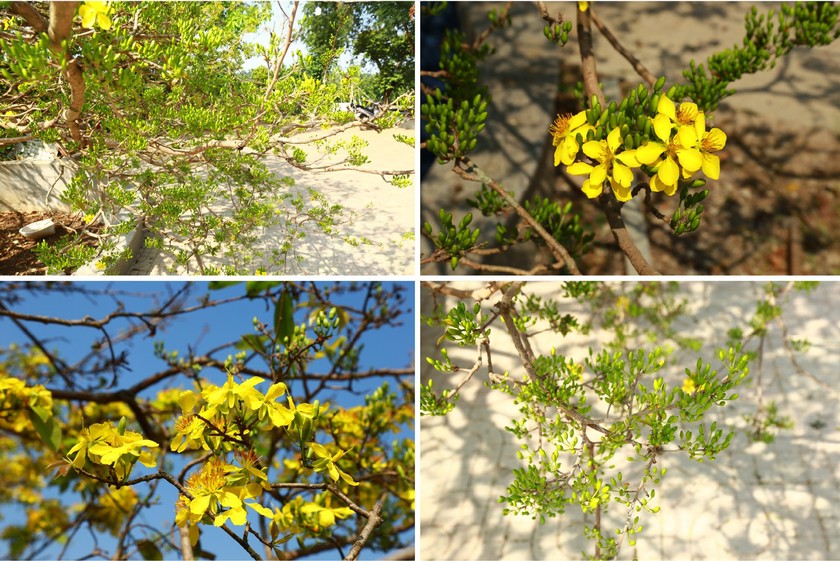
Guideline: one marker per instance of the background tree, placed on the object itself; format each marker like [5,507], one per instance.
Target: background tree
[381,33]
[176,407]
[161,125]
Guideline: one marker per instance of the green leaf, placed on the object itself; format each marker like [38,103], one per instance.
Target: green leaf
[255,288]
[218,285]
[46,427]
[251,342]
[284,321]
[149,550]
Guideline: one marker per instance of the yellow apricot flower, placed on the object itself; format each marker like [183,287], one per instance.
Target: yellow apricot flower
[679,148]
[612,166]
[95,11]
[327,513]
[684,114]
[328,462]
[690,387]
[709,142]
[565,129]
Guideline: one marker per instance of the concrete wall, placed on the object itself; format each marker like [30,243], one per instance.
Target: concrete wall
[25,185]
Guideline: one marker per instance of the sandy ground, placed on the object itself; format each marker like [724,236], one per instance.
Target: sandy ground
[374,209]
[756,501]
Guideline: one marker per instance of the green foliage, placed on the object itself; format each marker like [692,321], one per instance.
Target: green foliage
[559,221]
[156,139]
[431,404]
[381,33]
[456,240]
[766,422]
[63,257]
[453,131]
[802,24]
[586,423]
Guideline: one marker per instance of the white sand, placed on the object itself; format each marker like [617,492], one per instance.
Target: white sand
[384,215]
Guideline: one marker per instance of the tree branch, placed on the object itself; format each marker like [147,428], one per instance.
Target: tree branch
[587,58]
[472,172]
[612,210]
[60,32]
[637,65]
[32,16]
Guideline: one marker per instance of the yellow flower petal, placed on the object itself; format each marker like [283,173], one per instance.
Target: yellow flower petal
[662,127]
[714,140]
[628,158]
[687,113]
[622,174]
[577,120]
[686,137]
[690,159]
[590,190]
[88,16]
[580,168]
[595,149]
[566,151]
[614,140]
[667,107]
[103,21]
[599,174]
[200,504]
[711,166]
[621,193]
[668,172]
[649,152]
[657,186]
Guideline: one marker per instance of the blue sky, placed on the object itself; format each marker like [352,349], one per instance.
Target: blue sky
[391,347]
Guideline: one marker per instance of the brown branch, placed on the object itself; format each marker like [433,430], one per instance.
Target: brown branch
[374,520]
[612,211]
[587,58]
[32,16]
[551,20]
[60,32]
[472,172]
[520,339]
[608,35]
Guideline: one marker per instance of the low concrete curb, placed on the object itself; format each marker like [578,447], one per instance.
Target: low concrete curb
[33,186]
[134,240]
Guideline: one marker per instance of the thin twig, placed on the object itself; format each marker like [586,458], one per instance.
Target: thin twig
[637,65]
[472,172]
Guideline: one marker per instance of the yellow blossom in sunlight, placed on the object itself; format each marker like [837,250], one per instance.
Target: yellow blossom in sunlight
[564,131]
[612,166]
[210,489]
[692,145]
[328,462]
[709,142]
[667,154]
[690,387]
[326,513]
[95,12]
[583,6]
